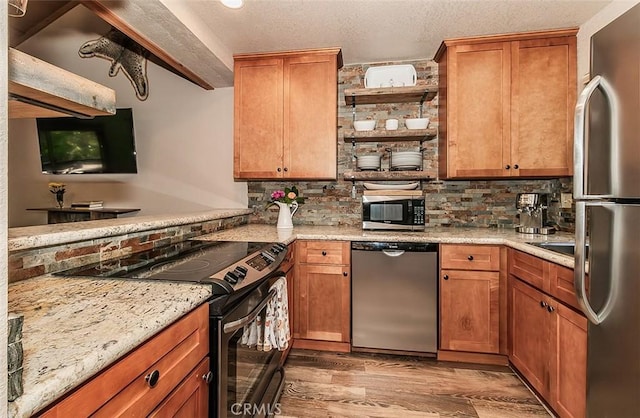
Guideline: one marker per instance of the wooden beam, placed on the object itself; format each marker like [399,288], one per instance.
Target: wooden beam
[152,25]
[39,81]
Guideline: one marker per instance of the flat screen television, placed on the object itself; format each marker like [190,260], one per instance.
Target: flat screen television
[104,144]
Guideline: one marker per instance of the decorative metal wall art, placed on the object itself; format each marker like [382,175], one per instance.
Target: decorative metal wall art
[123,53]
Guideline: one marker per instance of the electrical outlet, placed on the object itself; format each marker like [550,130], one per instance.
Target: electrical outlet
[566,199]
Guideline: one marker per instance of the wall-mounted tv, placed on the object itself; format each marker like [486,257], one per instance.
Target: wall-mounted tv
[104,144]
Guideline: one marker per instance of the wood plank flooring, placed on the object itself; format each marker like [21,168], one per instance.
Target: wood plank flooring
[321,384]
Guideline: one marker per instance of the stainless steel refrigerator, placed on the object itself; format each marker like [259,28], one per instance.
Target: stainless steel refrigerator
[607,194]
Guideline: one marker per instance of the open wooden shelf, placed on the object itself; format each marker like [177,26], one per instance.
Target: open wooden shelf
[390,175]
[351,135]
[411,94]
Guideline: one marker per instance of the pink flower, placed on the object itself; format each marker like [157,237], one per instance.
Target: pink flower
[277,194]
[291,195]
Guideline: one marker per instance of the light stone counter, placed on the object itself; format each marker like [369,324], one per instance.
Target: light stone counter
[498,236]
[46,235]
[75,327]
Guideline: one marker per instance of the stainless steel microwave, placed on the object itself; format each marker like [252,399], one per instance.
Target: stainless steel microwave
[395,212]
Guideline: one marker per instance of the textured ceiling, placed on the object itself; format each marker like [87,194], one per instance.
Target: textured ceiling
[380,30]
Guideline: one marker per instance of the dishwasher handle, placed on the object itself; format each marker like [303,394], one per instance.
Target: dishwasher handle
[393,253]
[391,246]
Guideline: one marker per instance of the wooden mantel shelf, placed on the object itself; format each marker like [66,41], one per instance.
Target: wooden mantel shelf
[351,135]
[39,89]
[390,175]
[411,94]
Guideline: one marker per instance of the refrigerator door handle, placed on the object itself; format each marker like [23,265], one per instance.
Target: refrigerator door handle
[579,147]
[580,264]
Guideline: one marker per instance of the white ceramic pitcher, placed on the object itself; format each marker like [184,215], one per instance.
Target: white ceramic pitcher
[287,210]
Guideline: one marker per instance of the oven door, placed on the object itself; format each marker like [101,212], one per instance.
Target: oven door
[246,376]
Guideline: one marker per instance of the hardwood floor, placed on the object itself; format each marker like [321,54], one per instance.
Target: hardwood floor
[321,384]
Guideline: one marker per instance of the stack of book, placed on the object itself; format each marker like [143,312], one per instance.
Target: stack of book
[90,204]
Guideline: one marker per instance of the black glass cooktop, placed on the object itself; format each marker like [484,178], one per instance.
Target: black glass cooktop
[191,260]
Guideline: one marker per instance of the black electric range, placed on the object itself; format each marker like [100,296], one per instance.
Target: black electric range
[231,268]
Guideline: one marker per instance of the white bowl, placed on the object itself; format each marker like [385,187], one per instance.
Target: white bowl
[417,123]
[364,125]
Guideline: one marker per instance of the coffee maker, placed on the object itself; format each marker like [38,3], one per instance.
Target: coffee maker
[532,209]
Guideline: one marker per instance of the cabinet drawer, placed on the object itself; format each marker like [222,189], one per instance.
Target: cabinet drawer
[323,252]
[470,257]
[529,269]
[561,283]
[123,387]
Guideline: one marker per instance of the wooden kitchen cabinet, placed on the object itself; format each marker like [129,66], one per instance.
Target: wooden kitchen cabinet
[472,305]
[175,361]
[547,338]
[506,105]
[322,295]
[285,114]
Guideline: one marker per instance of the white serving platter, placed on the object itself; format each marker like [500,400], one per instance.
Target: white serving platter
[390,76]
[375,186]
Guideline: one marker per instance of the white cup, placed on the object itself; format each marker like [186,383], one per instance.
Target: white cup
[391,124]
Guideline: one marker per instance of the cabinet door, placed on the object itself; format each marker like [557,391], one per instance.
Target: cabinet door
[258,119]
[529,324]
[470,311]
[569,381]
[310,117]
[543,98]
[478,111]
[190,399]
[323,298]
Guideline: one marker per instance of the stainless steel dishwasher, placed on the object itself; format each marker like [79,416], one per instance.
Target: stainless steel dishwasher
[394,288]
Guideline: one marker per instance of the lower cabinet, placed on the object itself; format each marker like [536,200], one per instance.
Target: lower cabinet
[322,295]
[166,376]
[472,303]
[547,338]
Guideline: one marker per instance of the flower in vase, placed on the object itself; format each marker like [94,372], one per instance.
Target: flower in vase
[288,195]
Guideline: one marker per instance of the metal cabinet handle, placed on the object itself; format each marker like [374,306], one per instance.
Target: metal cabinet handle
[324,253]
[516,166]
[279,169]
[446,277]
[550,308]
[345,274]
[470,258]
[152,378]
[543,304]
[208,377]
[507,166]
[286,169]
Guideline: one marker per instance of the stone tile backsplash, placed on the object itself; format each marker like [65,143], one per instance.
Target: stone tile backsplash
[480,203]
[35,262]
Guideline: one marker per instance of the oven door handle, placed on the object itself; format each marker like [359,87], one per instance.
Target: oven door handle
[239,323]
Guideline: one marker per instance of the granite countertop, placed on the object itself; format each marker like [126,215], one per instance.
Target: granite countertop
[46,235]
[497,236]
[75,327]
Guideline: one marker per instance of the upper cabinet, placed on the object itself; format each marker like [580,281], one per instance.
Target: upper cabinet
[285,115]
[506,105]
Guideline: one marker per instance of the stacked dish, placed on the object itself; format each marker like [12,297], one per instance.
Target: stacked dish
[368,162]
[406,160]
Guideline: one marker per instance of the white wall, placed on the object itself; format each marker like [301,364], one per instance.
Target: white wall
[597,22]
[184,138]
[3,207]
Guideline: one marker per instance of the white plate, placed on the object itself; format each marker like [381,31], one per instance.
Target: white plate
[405,167]
[390,76]
[374,186]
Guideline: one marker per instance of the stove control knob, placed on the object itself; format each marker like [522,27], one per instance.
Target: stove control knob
[240,272]
[231,277]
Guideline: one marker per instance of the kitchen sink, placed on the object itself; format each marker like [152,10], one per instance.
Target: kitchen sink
[559,247]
